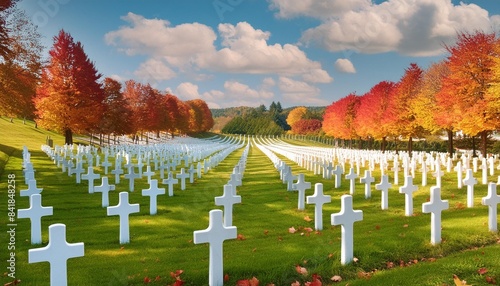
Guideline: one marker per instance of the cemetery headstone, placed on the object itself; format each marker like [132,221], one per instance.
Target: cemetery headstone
[492,200]
[227,200]
[153,191]
[408,189]
[301,186]
[384,187]
[318,199]
[346,218]
[123,209]
[470,181]
[435,207]
[104,188]
[35,213]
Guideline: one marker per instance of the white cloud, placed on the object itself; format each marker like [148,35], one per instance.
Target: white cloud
[345,66]
[299,92]
[191,47]
[321,9]
[154,70]
[245,50]
[234,94]
[416,28]
[156,38]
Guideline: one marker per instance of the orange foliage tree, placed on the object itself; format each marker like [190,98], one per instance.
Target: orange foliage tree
[116,119]
[339,117]
[307,127]
[463,95]
[200,116]
[69,98]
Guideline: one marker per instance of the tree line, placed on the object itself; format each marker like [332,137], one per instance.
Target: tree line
[459,93]
[68,95]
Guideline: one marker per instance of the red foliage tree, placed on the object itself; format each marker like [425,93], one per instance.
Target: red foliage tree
[117,118]
[69,98]
[339,118]
[306,127]
[200,116]
[372,117]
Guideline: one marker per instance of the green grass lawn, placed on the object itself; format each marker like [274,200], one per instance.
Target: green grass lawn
[391,249]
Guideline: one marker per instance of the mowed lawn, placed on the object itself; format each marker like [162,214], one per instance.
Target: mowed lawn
[390,248]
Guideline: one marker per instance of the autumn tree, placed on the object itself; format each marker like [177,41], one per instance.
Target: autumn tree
[295,115]
[405,92]
[117,116]
[69,98]
[471,64]
[20,69]
[307,127]
[200,116]
[373,116]
[5,5]
[339,117]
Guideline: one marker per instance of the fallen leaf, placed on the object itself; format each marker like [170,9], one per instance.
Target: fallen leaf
[491,280]
[355,259]
[266,232]
[176,274]
[158,278]
[296,283]
[15,282]
[301,270]
[405,225]
[178,283]
[459,282]
[307,218]
[482,271]
[147,280]
[254,281]
[226,277]
[292,230]
[377,227]
[308,229]
[336,278]
[240,237]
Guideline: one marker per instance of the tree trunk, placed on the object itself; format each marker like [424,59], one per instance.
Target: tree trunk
[474,146]
[68,136]
[484,142]
[410,146]
[382,146]
[450,142]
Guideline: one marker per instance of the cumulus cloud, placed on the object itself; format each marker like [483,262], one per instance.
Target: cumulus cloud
[154,70]
[299,92]
[322,9]
[416,28]
[233,94]
[191,46]
[345,66]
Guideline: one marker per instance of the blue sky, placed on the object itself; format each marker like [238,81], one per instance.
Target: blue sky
[252,52]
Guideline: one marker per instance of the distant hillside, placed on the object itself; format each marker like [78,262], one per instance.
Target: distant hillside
[244,110]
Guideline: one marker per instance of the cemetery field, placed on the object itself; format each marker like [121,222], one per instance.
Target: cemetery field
[276,243]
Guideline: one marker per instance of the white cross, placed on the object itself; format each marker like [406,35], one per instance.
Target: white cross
[131,176]
[215,235]
[470,181]
[329,170]
[35,213]
[338,171]
[347,217]
[396,170]
[171,182]
[228,199]
[104,188]
[352,177]
[301,186]
[424,174]
[458,168]
[182,176]
[367,180]
[78,171]
[435,207]
[191,172]
[57,252]
[153,191]
[198,170]
[106,164]
[117,171]
[384,187]
[29,175]
[289,177]
[492,200]
[438,174]
[162,168]
[484,168]
[32,189]
[91,176]
[408,189]
[123,209]
[318,199]
[149,173]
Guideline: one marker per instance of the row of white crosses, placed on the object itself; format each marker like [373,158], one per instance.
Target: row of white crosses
[58,251]
[220,226]
[435,206]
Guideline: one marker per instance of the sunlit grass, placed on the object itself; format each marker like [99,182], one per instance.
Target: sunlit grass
[163,243]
